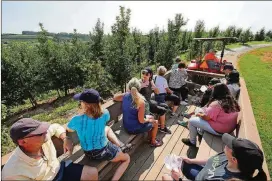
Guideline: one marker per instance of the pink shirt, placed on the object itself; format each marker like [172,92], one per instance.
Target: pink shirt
[220,121]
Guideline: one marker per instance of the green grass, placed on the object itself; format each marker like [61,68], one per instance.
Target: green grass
[41,99]
[237,45]
[258,42]
[258,76]
[58,113]
[234,45]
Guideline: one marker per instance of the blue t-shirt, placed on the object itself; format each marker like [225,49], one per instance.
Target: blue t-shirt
[91,132]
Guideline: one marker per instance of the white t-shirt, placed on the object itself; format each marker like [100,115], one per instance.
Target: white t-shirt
[160,83]
[233,88]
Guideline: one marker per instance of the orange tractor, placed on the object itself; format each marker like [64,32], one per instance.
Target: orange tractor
[208,66]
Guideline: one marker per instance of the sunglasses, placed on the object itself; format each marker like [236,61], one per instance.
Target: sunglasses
[144,72]
[35,135]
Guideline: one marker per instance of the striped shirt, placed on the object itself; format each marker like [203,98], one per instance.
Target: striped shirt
[91,132]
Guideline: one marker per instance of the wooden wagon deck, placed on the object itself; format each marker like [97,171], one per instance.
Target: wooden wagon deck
[147,163]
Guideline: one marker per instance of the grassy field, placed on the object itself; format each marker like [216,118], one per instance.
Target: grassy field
[237,45]
[58,112]
[256,68]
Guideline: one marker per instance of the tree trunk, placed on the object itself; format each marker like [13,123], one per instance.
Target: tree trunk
[58,92]
[65,92]
[32,99]
[122,88]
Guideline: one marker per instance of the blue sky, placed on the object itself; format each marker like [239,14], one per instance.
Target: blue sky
[61,16]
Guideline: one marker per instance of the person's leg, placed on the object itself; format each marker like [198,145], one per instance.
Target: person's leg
[193,132]
[194,123]
[160,98]
[190,171]
[203,125]
[176,91]
[165,106]
[88,173]
[77,172]
[156,109]
[184,92]
[124,158]
[174,99]
[153,132]
[162,121]
[112,137]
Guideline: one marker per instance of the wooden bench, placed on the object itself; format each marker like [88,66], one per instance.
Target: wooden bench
[104,167]
[247,128]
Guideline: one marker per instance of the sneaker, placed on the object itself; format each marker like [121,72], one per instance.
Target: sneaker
[183,123]
[187,142]
[184,103]
[165,130]
[173,114]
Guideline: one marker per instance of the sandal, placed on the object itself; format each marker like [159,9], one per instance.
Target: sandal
[158,143]
[127,147]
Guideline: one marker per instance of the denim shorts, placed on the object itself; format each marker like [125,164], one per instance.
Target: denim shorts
[108,153]
[160,98]
[145,128]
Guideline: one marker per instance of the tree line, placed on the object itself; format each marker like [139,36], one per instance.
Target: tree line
[104,62]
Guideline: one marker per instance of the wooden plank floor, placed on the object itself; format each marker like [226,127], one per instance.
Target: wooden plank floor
[148,163]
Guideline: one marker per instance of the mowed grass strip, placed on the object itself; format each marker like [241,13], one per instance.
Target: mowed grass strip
[256,68]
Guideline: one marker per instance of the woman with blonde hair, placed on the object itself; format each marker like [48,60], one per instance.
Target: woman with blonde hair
[93,133]
[136,118]
[165,93]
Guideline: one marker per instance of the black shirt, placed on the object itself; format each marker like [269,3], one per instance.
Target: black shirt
[206,97]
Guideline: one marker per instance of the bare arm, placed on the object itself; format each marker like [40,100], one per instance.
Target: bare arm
[168,90]
[141,113]
[118,97]
[56,130]
[195,161]
[156,89]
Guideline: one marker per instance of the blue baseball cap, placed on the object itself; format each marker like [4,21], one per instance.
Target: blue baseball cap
[89,96]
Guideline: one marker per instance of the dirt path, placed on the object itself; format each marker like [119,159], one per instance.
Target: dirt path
[232,55]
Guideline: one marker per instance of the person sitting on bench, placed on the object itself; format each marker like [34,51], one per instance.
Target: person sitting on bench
[165,94]
[218,117]
[136,116]
[233,84]
[93,133]
[207,94]
[204,100]
[35,157]
[147,87]
[177,82]
[240,159]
